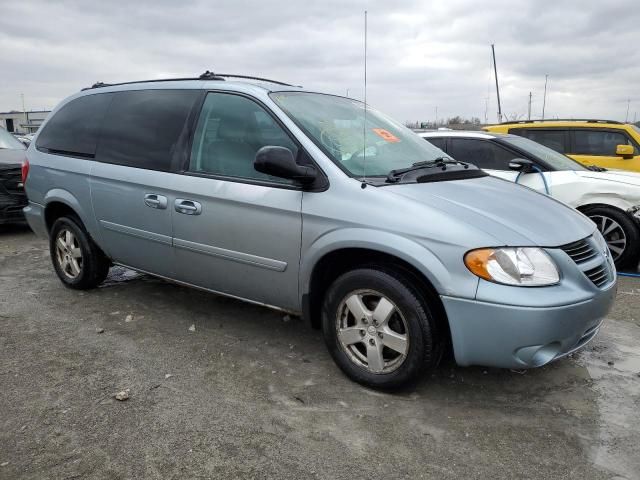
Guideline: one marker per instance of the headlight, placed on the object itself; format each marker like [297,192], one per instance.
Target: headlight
[521,266]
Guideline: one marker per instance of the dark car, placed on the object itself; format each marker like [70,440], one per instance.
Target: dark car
[12,196]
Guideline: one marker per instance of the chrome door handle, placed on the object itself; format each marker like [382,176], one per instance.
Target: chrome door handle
[154,200]
[187,207]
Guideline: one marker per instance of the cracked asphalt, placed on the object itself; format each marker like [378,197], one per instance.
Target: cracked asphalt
[250,393]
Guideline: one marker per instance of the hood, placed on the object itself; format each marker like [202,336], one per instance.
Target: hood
[620,176]
[11,157]
[511,214]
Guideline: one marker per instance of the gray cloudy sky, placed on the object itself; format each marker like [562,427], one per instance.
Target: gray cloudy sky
[422,54]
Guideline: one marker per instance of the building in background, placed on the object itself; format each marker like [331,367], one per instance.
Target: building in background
[22,122]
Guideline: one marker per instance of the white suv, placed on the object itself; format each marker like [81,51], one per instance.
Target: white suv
[611,198]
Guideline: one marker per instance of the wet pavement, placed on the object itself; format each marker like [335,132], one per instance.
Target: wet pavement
[249,393]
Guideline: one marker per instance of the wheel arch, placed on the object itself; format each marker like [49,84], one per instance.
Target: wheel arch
[334,262]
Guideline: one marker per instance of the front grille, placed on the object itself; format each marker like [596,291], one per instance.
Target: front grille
[580,251]
[599,275]
[591,260]
[11,180]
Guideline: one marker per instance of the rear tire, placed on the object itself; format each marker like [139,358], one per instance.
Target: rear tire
[77,260]
[378,328]
[621,233]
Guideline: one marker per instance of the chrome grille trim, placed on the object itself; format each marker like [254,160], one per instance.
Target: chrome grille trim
[580,251]
[585,253]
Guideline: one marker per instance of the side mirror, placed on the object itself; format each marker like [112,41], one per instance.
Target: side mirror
[624,151]
[279,162]
[521,165]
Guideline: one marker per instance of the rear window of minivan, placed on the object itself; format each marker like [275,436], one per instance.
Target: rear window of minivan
[74,129]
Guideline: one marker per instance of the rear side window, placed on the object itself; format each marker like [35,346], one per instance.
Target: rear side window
[598,142]
[554,139]
[146,128]
[482,153]
[74,129]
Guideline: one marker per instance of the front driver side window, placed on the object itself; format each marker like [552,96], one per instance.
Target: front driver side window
[482,153]
[230,130]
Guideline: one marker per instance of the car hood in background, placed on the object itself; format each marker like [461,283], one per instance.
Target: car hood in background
[621,176]
[512,214]
[11,157]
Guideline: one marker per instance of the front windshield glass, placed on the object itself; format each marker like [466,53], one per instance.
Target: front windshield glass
[555,160]
[362,147]
[9,141]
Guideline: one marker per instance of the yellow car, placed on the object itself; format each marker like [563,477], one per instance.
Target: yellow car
[603,143]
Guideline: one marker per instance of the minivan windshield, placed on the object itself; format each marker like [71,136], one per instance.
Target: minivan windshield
[8,141]
[361,144]
[555,160]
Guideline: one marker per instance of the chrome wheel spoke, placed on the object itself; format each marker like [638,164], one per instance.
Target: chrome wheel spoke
[76,252]
[68,239]
[351,335]
[75,267]
[375,359]
[383,311]
[395,341]
[615,249]
[357,308]
[61,245]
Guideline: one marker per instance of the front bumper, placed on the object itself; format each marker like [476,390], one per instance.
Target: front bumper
[12,196]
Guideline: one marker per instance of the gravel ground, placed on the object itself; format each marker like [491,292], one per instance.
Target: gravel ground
[222,389]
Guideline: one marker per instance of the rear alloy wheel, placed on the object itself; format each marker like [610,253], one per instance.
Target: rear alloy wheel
[68,253]
[620,232]
[379,329]
[78,261]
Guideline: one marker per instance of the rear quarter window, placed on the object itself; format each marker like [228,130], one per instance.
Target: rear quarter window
[146,128]
[74,129]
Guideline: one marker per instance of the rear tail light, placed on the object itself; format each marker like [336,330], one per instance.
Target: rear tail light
[25,170]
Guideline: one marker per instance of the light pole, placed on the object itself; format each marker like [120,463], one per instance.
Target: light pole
[544,98]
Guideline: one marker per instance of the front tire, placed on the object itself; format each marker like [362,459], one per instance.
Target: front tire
[378,328]
[620,232]
[77,260]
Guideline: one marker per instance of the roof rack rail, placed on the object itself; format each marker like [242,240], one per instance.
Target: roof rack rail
[208,75]
[588,120]
[260,79]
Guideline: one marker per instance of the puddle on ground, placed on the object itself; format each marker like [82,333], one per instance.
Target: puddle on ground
[615,370]
[119,275]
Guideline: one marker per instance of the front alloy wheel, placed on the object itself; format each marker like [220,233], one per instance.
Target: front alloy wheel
[379,328]
[372,331]
[613,234]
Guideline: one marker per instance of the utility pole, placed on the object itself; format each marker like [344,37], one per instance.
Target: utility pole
[626,118]
[544,98]
[436,117]
[486,110]
[495,71]
[24,110]
[529,110]
[347,93]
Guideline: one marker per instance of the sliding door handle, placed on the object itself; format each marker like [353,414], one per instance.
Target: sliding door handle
[188,207]
[154,200]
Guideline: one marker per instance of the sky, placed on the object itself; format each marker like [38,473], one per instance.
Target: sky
[422,56]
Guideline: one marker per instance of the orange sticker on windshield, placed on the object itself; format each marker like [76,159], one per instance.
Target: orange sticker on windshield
[386,135]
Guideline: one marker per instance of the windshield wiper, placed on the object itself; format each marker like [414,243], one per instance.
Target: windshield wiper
[441,162]
[595,168]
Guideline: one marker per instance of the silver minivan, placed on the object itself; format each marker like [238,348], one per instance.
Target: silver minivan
[316,205]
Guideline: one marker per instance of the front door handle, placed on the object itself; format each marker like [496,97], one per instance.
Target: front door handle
[154,200]
[188,207]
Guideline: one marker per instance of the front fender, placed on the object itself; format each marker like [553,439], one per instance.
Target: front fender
[442,278]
